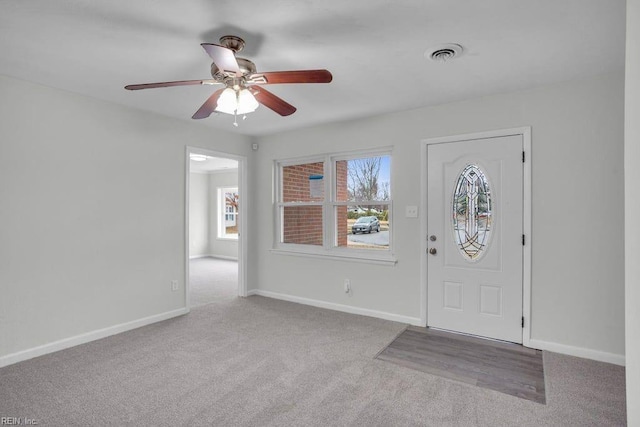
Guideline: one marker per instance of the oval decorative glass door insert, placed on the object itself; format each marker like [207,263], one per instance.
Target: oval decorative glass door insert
[472,212]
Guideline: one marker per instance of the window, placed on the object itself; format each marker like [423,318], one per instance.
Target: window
[228,213]
[337,205]
[302,194]
[362,202]
[471,212]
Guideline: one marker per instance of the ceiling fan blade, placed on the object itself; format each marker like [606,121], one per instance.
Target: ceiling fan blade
[301,76]
[223,57]
[273,102]
[169,84]
[209,106]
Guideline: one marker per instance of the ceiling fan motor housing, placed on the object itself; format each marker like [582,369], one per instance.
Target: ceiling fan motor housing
[246,67]
[234,43]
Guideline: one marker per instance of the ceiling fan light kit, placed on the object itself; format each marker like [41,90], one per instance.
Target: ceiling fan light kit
[246,102]
[236,101]
[243,88]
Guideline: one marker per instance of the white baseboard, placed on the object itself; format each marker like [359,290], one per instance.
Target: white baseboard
[338,307]
[600,356]
[230,258]
[62,344]
[586,353]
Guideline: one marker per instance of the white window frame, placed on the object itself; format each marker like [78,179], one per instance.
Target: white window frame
[329,204]
[222,213]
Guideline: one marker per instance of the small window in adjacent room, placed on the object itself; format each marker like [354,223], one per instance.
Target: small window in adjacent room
[228,213]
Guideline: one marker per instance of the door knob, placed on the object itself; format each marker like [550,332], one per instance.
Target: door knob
[433,251]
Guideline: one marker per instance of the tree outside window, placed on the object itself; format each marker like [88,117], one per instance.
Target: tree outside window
[368,195]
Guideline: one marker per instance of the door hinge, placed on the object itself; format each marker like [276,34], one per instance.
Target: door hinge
[523,240]
[523,157]
[522,321]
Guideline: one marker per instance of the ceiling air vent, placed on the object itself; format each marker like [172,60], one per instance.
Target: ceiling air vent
[444,52]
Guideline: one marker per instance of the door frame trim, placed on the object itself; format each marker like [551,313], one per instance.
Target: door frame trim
[525,132]
[243,208]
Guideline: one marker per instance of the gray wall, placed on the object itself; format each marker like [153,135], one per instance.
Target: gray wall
[199,216]
[632,198]
[91,213]
[204,215]
[577,218]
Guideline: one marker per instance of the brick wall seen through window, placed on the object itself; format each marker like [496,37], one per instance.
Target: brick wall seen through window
[359,193]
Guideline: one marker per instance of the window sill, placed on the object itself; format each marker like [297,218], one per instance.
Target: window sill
[233,239]
[380,259]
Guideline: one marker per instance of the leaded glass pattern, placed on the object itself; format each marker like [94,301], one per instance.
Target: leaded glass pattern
[472,212]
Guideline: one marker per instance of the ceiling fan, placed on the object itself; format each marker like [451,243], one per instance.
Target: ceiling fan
[243,87]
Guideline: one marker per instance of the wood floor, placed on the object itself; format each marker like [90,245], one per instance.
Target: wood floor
[504,367]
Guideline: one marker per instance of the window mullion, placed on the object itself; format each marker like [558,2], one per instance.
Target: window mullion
[327,217]
[287,204]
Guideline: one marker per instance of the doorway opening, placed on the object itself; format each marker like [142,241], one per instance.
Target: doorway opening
[215,247]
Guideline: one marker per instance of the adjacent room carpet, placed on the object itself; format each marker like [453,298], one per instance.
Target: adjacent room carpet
[262,362]
[504,367]
[212,279]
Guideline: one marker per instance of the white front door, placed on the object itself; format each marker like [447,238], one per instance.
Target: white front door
[475,232]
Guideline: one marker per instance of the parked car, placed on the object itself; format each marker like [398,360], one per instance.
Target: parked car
[366,224]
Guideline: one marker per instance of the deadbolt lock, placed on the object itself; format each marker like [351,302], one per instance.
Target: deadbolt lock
[432,238]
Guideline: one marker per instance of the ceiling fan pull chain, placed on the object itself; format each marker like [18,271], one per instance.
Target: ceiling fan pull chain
[235,112]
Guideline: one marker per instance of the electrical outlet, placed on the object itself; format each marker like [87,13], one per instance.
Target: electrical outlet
[347,286]
[174,285]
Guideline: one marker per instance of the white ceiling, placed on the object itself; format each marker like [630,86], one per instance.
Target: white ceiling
[374,48]
[213,164]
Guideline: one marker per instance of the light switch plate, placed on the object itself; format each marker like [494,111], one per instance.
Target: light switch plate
[411,211]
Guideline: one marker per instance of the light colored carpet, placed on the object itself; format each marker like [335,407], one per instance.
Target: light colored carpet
[264,362]
[212,279]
